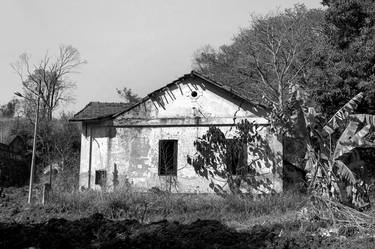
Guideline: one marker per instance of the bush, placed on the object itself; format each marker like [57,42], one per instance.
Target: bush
[271,204]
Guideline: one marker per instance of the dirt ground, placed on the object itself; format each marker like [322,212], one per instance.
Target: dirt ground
[25,227]
[98,232]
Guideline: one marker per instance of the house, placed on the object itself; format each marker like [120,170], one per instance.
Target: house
[132,144]
[13,148]
[14,166]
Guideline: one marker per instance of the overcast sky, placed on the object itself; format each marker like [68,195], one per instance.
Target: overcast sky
[134,43]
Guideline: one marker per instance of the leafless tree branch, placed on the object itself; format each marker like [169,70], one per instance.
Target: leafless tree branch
[51,74]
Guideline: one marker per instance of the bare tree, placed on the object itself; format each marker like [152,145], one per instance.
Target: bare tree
[51,75]
[278,49]
[47,83]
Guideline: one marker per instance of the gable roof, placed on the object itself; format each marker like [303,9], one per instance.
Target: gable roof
[98,110]
[8,140]
[231,90]
[13,138]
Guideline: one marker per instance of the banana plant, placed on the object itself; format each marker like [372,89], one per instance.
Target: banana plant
[340,118]
[341,121]
[327,161]
[358,134]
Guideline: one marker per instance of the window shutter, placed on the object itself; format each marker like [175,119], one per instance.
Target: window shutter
[175,152]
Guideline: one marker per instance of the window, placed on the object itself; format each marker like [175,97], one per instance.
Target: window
[100,177]
[236,157]
[167,157]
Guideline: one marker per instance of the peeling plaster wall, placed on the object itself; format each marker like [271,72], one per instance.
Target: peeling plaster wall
[137,157]
[130,141]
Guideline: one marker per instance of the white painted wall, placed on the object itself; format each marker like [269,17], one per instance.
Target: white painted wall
[131,140]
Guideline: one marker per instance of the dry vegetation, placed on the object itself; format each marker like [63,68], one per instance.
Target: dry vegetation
[136,220]
[150,207]
[147,207]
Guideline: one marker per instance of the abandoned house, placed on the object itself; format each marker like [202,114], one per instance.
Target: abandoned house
[146,144]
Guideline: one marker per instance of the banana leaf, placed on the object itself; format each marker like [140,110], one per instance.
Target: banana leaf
[364,118]
[345,172]
[354,136]
[341,116]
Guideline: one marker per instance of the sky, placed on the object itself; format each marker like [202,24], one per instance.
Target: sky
[137,44]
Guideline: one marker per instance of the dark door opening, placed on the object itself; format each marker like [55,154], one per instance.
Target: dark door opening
[168,157]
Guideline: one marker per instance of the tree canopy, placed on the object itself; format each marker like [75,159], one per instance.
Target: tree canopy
[268,58]
[327,53]
[348,65]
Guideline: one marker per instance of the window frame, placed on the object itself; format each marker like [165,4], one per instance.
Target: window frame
[103,177]
[173,172]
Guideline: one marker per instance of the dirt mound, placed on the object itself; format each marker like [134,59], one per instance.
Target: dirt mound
[98,232]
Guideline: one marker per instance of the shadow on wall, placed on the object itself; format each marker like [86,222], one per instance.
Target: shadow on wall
[245,164]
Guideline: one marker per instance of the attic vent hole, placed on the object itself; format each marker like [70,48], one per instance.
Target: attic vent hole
[194,94]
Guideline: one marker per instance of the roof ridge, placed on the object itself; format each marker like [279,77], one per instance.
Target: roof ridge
[87,105]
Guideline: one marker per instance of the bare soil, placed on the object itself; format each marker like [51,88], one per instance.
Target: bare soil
[98,232]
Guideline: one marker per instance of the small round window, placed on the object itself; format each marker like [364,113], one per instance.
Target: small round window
[194,94]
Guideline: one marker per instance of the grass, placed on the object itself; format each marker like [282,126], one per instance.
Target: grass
[147,207]
[238,213]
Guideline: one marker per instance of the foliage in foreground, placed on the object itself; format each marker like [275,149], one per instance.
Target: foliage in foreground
[225,163]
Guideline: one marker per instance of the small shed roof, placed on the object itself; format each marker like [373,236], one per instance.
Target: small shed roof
[99,110]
